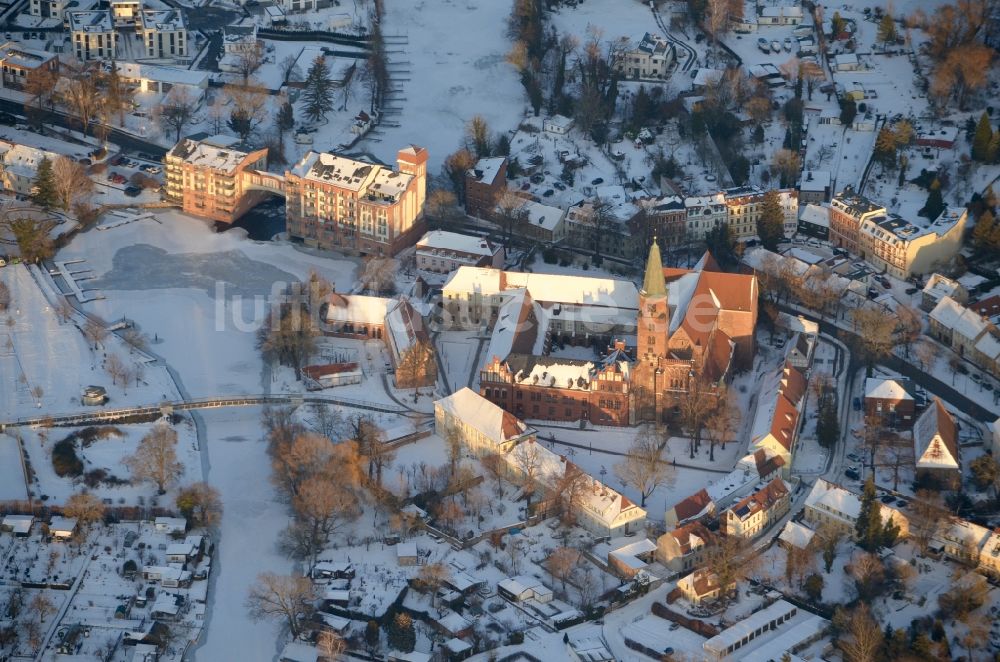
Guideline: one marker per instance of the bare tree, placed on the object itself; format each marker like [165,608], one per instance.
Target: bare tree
[82,97]
[454,441]
[862,637]
[72,183]
[373,447]
[729,558]
[41,606]
[281,597]
[323,507]
[86,508]
[431,578]
[528,462]
[135,339]
[379,275]
[116,369]
[561,564]
[331,646]
[249,57]
[895,454]
[874,332]
[477,134]
[155,459]
[511,213]
[176,111]
[722,423]
[696,405]
[927,512]
[644,468]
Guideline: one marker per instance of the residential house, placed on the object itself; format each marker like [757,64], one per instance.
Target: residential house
[407,554]
[169,576]
[940,137]
[832,505]
[19,165]
[847,210]
[814,221]
[989,555]
[795,535]
[62,527]
[338,203]
[163,33]
[935,447]
[170,525]
[889,401]
[652,57]
[799,351]
[693,508]
[780,15]
[743,205]
[957,326]
[756,513]
[543,223]
[443,252]
[485,428]
[18,64]
[814,187]
[960,540]
[627,557]
[522,587]
[557,124]
[701,586]
[18,525]
[206,175]
[93,34]
[939,287]
[484,185]
[779,407]
[684,548]
[237,42]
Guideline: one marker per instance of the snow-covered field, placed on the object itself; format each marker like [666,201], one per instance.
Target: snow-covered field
[11,476]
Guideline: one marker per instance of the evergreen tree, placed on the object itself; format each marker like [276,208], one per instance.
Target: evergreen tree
[981,139]
[868,526]
[43,191]
[771,224]
[241,123]
[318,90]
[970,128]
[935,202]
[828,425]
[837,24]
[985,234]
[848,111]
[402,636]
[285,119]
[993,151]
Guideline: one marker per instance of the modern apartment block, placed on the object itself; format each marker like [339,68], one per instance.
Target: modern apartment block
[125,12]
[163,33]
[47,8]
[338,203]
[211,177]
[93,34]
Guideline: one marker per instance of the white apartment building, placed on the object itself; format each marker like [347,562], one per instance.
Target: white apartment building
[93,34]
[704,213]
[48,8]
[296,6]
[650,58]
[485,428]
[163,33]
[903,248]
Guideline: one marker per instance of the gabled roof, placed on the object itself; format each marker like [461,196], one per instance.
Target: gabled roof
[694,506]
[885,389]
[763,499]
[691,536]
[476,411]
[935,439]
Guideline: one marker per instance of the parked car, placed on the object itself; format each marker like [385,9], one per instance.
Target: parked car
[911,290]
[559,185]
[852,474]
[548,193]
[132,191]
[857,404]
[597,180]
[151,169]
[887,499]
[537,178]
[525,186]
[976,377]
[7,119]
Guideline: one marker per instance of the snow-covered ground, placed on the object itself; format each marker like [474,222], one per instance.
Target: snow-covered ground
[442,75]
[12,486]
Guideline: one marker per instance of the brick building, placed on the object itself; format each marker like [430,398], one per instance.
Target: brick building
[888,401]
[847,210]
[337,203]
[483,186]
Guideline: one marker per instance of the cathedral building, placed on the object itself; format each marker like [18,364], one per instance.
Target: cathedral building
[693,330]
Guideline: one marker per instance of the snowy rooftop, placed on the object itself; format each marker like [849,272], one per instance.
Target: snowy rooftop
[935,439]
[452,241]
[162,20]
[543,216]
[796,534]
[357,309]
[816,215]
[481,414]
[350,174]
[939,286]
[629,553]
[816,181]
[90,21]
[551,288]
[13,54]
[216,153]
[22,159]
[748,626]
[296,651]
[486,170]
[897,230]
[155,72]
[885,389]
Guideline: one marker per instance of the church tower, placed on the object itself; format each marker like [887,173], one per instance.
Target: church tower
[654,314]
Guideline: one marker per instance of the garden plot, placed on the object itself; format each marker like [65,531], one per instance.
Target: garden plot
[99,453]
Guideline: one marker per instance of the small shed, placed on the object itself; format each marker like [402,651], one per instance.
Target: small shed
[406,554]
[170,525]
[296,651]
[94,396]
[457,649]
[557,124]
[19,525]
[62,527]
